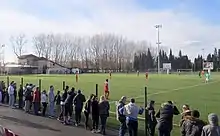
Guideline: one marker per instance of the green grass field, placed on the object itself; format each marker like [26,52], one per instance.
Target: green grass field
[182,89]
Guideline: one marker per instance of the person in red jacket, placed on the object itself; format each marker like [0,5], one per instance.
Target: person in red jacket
[36,100]
[106,89]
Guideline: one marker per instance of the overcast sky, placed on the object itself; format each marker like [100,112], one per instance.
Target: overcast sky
[189,25]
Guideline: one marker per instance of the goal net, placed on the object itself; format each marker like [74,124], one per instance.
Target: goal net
[185,71]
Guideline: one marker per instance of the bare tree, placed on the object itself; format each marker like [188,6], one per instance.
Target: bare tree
[18,44]
[39,43]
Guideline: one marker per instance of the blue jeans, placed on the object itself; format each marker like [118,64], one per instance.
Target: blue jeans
[122,128]
[51,109]
[11,100]
[132,127]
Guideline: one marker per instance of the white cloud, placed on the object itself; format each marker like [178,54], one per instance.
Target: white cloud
[180,30]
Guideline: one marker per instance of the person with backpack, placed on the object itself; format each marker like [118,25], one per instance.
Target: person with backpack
[192,125]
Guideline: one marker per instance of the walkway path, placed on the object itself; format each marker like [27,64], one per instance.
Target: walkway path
[29,125]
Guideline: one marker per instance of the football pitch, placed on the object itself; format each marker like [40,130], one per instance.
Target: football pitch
[181,89]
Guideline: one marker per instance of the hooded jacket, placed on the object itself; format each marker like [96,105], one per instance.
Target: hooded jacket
[165,116]
[151,115]
[192,126]
[213,129]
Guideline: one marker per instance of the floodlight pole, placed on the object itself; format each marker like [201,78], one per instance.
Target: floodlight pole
[158,46]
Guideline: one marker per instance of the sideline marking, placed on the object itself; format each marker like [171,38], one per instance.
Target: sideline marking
[181,88]
[177,89]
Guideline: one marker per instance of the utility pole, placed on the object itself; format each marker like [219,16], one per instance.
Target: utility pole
[158,46]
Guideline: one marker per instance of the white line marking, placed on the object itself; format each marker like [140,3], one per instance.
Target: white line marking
[182,88]
[177,89]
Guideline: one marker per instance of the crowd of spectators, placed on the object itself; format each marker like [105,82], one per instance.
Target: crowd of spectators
[62,105]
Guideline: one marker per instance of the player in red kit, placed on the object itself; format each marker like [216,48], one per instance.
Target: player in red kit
[106,89]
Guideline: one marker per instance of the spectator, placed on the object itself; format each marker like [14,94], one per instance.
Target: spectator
[3,91]
[20,97]
[104,113]
[78,102]
[44,102]
[87,110]
[28,96]
[185,113]
[95,115]
[165,118]
[51,102]
[121,117]
[57,100]
[131,110]
[11,94]
[192,125]
[152,122]
[36,100]
[68,107]
[62,103]
[15,93]
[213,129]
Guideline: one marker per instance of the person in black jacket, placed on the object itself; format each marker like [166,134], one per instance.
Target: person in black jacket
[62,103]
[68,107]
[165,118]
[95,114]
[78,103]
[192,125]
[87,110]
[20,97]
[152,122]
[57,101]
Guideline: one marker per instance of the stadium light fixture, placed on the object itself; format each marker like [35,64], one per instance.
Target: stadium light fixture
[158,46]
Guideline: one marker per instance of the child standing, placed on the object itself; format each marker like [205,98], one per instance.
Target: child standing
[44,102]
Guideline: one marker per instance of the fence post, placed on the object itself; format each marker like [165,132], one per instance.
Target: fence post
[146,111]
[96,90]
[64,85]
[7,81]
[39,85]
[22,81]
